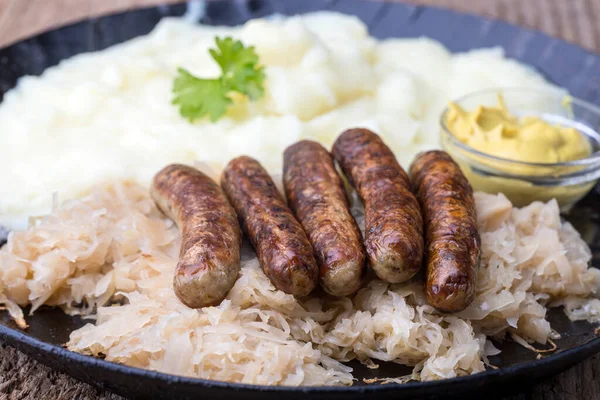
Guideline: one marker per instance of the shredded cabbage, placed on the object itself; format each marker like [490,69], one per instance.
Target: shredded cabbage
[111,255]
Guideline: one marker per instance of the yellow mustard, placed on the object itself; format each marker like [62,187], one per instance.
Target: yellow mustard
[495,131]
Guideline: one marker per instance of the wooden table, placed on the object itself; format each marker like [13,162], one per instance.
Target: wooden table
[574,20]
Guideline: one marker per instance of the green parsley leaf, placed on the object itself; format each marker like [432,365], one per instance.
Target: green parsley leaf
[240,67]
[198,98]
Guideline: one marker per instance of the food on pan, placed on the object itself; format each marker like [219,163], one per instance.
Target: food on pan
[316,195]
[453,245]
[531,145]
[393,222]
[209,259]
[283,249]
[115,240]
[495,131]
[324,74]
[110,254]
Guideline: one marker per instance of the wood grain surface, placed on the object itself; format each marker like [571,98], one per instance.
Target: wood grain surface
[577,21]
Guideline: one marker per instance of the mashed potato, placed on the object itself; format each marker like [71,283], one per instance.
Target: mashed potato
[115,244]
[108,114]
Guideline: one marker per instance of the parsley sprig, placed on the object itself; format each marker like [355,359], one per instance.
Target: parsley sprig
[198,98]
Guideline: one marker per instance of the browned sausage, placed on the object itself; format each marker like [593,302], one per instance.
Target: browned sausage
[453,243]
[316,194]
[283,249]
[393,222]
[209,259]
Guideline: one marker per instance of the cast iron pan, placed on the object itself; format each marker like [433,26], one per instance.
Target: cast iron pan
[567,65]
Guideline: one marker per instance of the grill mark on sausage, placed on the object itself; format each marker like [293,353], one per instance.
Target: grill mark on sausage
[209,258]
[316,195]
[283,249]
[393,222]
[453,243]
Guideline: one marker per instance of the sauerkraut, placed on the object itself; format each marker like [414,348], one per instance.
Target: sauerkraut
[111,255]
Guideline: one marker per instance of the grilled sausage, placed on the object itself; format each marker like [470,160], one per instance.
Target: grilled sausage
[317,197]
[393,222]
[453,243]
[209,259]
[283,249]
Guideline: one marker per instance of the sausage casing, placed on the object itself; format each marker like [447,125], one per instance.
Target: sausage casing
[209,259]
[283,249]
[316,195]
[393,222]
[453,242]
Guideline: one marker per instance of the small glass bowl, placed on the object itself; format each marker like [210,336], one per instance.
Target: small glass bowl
[525,182]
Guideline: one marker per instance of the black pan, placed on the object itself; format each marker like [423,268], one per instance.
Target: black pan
[567,65]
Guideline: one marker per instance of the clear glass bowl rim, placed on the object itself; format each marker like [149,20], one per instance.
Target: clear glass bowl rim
[592,160]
